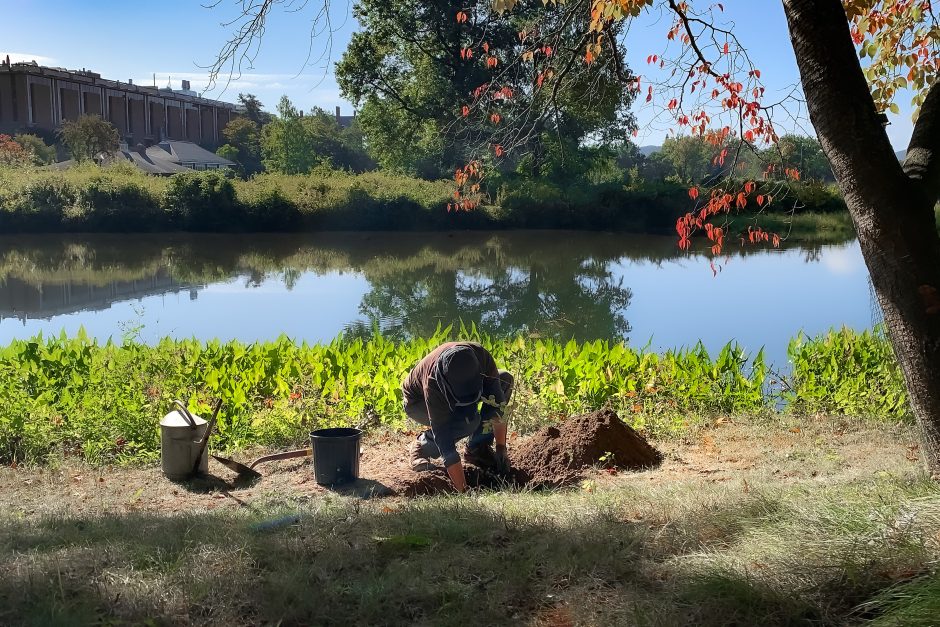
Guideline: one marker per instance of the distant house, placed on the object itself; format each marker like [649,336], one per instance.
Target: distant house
[168,157]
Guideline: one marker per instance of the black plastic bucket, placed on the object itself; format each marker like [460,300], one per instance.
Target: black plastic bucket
[335,455]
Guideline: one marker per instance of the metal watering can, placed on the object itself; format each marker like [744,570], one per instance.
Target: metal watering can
[183,440]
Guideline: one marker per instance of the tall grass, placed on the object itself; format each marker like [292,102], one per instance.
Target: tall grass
[102,401]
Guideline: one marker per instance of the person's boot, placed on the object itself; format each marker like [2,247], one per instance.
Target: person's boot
[419,463]
[480,456]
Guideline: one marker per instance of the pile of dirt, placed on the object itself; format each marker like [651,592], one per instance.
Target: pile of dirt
[556,456]
[552,457]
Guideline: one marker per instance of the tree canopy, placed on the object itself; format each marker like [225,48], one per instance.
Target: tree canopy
[88,136]
[294,143]
[412,67]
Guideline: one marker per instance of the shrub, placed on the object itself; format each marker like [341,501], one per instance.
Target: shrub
[42,154]
[201,201]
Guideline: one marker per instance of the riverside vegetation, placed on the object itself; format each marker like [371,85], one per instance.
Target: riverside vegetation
[89,198]
[101,402]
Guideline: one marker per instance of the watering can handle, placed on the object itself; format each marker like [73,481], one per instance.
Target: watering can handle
[185,413]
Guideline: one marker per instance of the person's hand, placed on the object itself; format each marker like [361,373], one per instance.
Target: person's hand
[457,477]
[502,459]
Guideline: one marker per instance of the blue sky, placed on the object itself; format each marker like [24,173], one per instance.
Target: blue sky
[178,38]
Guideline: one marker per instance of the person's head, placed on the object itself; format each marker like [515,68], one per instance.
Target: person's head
[461,369]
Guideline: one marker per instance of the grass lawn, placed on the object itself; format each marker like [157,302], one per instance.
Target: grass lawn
[794,521]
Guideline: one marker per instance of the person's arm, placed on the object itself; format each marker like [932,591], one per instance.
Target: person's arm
[494,407]
[439,415]
[494,399]
[457,476]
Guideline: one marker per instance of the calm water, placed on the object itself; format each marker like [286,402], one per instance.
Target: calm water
[313,287]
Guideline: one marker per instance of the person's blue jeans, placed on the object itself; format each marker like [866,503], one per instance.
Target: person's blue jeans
[466,422]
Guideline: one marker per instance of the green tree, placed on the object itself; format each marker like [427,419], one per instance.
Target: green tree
[244,136]
[41,153]
[405,68]
[342,147]
[88,136]
[293,143]
[690,157]
[285,147]
[254,110]
[803,153]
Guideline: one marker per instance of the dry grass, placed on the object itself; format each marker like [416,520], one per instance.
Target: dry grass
[807,522]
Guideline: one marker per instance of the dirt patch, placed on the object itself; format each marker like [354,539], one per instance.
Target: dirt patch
[811,451]
[552,457]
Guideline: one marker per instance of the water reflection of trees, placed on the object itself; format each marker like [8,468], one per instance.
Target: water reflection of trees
[552,283]
[572,297]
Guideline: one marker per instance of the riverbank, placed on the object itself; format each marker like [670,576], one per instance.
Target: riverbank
[75,397]
[756,522]
[122,199]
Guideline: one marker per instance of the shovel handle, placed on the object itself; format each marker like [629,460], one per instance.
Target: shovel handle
[304,452]
[205,438]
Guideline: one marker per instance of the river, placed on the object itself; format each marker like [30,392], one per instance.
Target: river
[640,289]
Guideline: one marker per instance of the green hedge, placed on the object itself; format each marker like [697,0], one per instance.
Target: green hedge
[120,198]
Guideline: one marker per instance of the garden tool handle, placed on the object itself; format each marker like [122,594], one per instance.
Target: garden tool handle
[205,438]
[304,452]
[184,411]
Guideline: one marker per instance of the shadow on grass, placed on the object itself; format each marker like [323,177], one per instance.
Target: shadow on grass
[442,561]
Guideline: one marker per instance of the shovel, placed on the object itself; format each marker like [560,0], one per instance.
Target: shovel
[249,471]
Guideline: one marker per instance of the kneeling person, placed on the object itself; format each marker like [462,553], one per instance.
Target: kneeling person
[444,392]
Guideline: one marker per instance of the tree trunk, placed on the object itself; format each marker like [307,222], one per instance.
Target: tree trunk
[891,206]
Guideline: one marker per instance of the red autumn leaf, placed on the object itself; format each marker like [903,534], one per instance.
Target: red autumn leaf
[749,187]
[495,118]
[725,49]
[461,17]
[498,149]
[693,193]
[486,47]
[465,110]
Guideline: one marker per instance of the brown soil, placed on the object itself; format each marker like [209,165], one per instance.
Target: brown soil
[553,457]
